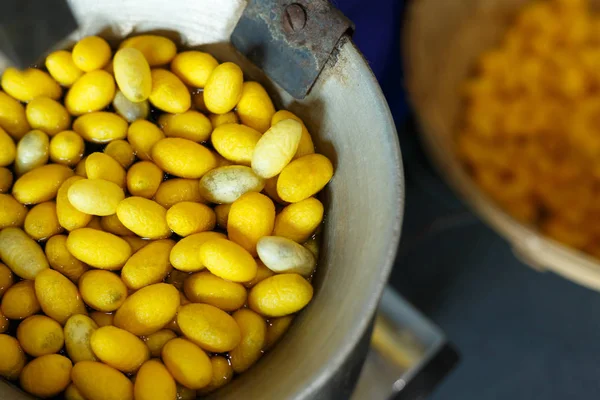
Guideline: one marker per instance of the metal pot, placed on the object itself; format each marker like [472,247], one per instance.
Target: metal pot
[352,125]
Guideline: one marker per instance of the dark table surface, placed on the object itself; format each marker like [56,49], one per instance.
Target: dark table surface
[521,334]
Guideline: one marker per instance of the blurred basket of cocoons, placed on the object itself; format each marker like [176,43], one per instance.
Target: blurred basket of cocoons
[159,222]
[530,130]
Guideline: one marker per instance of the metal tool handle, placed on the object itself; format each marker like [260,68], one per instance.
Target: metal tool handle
[290,40]
[408,355]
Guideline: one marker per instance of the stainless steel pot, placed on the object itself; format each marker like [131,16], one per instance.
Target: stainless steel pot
[351,124]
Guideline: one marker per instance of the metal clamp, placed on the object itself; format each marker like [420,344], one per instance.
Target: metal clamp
[290,40]
[29,28]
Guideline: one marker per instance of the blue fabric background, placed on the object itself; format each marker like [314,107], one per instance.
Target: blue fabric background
[378,26]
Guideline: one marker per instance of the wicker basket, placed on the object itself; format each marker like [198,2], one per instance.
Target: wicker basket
[442,42]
